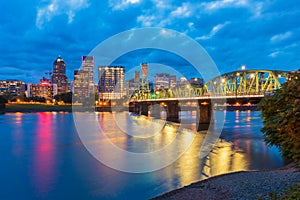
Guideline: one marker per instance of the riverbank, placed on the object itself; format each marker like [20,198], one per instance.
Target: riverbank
[238,185]
[9,108]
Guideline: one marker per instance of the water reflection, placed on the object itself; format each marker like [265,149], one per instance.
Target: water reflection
[46,160]
[44,154]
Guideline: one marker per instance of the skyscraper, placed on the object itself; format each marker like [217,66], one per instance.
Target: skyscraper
[111,82]
[59,75]
[88,67]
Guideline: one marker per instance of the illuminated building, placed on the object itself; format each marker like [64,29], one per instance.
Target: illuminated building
[87,66]
[59,75]
[196,82]
[80,85]
[111,82]
[162,81]
[12,87]
[43,89]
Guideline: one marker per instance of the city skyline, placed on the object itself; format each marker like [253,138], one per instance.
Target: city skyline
[234,33]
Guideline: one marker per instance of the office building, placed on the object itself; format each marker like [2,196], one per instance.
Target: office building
[111,82]
[87,66]
[43,89]
[12,87]
[162,81]
[59,76]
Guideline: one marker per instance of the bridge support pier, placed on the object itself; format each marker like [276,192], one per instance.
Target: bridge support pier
[204,116]
[136,108]
[155,111]
[173,111]
[144,108]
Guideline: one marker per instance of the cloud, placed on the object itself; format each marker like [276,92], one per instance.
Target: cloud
[280,37]
[183,11]
[213,31]
[219,4]
[58,7]
[122,4]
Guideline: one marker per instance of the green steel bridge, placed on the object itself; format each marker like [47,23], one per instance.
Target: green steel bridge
[242,83]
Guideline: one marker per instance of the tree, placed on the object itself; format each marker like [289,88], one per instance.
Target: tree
[65,97]
[281,119]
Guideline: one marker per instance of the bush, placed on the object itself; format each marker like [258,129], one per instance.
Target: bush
[281,119]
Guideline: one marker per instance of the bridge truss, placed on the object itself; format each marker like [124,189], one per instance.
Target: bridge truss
[238,83]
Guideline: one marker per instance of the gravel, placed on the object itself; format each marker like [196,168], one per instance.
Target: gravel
[238,185]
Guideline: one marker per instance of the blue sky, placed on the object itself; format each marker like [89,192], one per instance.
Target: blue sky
[258,34]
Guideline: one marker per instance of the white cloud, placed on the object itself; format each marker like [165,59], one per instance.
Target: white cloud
[274,54]
[183,11]
[146,20]
[213,31]
[58,7]
[215,5]
[122,4]
[281,36]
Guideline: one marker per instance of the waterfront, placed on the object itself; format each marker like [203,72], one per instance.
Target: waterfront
[43,158]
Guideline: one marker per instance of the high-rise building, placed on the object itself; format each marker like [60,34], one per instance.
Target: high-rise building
[111,82]
[59,76]
[162,81]
[13,87]
[88,66]
[80,85]
[172,79]
[137,77]
[144,69]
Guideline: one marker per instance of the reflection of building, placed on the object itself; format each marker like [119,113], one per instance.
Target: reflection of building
[59,75]
[44,89]
[111,82]
[13,87]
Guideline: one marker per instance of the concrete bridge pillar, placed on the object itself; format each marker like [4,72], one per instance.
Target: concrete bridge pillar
[204,115]
[155,110]
[136,109]
[173,111]
[144,108]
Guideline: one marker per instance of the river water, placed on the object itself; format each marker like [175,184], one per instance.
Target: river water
[42,157]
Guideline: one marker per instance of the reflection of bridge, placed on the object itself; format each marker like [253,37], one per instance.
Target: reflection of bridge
[241,87]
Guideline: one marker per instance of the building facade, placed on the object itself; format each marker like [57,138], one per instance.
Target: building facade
[12,87]
[44,89]
[59,76]
[162,81]
[111,82]
[87,66]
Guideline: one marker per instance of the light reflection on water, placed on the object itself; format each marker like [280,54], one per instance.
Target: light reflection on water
[43,156]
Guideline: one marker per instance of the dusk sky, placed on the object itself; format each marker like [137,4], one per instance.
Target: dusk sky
[258,34]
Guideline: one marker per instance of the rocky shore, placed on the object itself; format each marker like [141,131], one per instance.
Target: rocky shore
[238,185]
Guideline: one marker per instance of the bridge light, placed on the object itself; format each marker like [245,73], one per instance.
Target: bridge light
[223,80]
[238,74]
[279,75]
[243,67]
[215,82]
[204,103]
[153,95]
[252,75]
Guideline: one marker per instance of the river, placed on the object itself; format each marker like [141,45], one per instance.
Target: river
[42,157]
